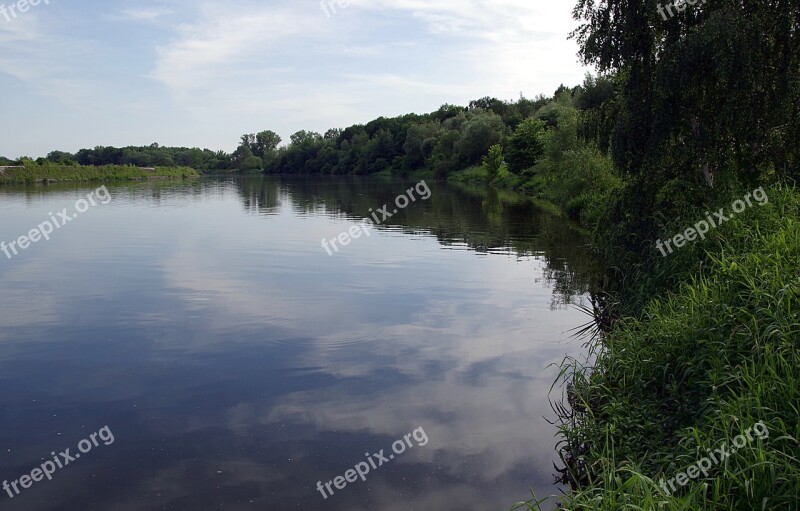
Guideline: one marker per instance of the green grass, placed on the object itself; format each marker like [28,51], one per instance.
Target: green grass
[698,366]
[57,173]
[475,175]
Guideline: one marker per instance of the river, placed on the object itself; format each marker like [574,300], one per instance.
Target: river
[237,363]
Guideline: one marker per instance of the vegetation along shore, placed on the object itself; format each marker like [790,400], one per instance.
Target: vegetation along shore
[697,344]
[29,172]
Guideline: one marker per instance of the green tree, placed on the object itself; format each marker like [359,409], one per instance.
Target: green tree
[713,88]
[266,142]
[59,157]
[265,147]
[481,131]
[244,158]
[526,145]
[494,161]
[419,144]
[252,164]
[444,158]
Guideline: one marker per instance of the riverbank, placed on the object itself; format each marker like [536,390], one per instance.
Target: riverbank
[61,173]
[713,349]
[701,339]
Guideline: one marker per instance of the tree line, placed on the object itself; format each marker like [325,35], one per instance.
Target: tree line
[682,108]
[442,142]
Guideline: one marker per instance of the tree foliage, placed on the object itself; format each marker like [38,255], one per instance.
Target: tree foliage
[494,161]
[526,145]
[712,92]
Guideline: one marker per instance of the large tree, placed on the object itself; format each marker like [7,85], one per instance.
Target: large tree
[714,87]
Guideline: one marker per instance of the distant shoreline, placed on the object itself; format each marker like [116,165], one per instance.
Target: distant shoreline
[45,174]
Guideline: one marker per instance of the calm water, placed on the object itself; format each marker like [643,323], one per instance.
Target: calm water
[236,363]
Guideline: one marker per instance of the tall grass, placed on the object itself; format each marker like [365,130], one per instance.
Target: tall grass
[697,367]
[475,175]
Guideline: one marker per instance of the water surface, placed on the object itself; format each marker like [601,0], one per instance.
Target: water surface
[237,363]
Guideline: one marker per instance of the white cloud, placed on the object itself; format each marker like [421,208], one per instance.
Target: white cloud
[223,45]
[32,53]
[284,65]
[144,14]
[294,68]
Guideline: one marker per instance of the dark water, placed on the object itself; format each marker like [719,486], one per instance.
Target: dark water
[236,363]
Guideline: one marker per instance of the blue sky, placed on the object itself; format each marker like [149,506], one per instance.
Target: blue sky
[194,73]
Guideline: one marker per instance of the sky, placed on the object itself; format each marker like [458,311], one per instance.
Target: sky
[194,73]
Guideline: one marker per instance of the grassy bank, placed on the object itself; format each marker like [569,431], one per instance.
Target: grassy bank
[58,173]
[698,367]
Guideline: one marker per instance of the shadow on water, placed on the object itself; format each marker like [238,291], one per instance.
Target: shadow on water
[486,221]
